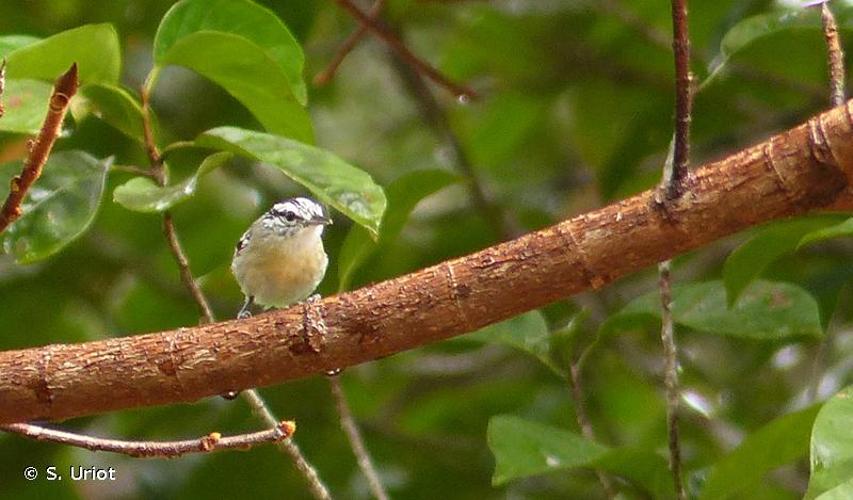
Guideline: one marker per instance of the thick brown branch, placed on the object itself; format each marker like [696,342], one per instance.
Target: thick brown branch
[400,48]
[63,90]
[804,168]
[155,449]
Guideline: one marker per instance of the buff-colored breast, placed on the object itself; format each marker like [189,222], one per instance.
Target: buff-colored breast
[279,271]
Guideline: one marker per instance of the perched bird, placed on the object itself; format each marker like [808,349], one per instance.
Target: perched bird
[280,259]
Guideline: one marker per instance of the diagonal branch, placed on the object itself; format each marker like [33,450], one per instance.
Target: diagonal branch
[400,48]
[63,90]
[325,76]
[155,449]
[807,167]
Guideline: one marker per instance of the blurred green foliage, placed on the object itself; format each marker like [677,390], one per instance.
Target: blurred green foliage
[576,110]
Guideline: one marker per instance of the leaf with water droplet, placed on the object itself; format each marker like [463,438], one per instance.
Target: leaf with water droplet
[58,208]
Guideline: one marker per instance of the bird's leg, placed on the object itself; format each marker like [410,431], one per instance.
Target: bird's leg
[246,310]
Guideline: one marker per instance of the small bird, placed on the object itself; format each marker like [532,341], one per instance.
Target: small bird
[280,259]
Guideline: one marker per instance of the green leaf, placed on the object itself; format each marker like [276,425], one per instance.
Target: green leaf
[747,31]
[59,207]
[837,231]
[249,74]
[141,194]
[94,47]
[527,332]
[238,17]
[26,106]
[766,310]
[782,441]
[644,468]
[523,448]
[769,243]
[112,104]
[348,189]
[832,444]
[403,195]
[843,491]
[9,43]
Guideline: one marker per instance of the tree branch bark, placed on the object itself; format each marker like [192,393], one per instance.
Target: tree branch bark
[807,167]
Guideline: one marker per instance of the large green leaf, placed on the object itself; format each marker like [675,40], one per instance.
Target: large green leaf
[747,31]
[403,195]
[25,102]
[768,244]
[112,104]
[141,194]
[527,332]
[249,74]
[94,47]
[59,207]
[782,441]
[9,43]
[766,310]
[523,448]
[832,444]
[843,491]
[332,180]
[238,17]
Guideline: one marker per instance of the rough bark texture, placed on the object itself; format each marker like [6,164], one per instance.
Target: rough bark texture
[807,167]
[63,90]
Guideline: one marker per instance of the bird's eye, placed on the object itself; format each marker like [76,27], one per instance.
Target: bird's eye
[289,216]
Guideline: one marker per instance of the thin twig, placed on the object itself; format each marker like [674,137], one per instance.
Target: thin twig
[2,85]
[184,268]
[433,114]
[289,447]
[683,96]
[325,76]
[388,36]
[670,353]
[576,386]
[63,90]
[156,449]
[834,55]
[675,171]
[256,403]
[356,441]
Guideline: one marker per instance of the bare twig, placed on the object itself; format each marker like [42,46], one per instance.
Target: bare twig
[184,268]
[256,403]
[289,447]
[2,85]
[576,386]
[436,118]
[670,354]
[683,96]
[325,76]
[156,449]
[834,55]
[63,90]
[388,36]
[356,442]
[675,173]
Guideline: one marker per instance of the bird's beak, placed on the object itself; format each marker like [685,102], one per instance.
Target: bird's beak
[322,221]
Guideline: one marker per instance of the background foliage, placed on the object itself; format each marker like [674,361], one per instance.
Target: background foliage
[575,111]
